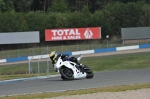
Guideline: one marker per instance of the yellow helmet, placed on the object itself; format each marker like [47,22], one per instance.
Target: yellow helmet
[53,55]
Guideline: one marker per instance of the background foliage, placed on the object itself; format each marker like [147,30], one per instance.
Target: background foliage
[38,15]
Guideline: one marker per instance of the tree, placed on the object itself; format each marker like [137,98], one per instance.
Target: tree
[61,20]
[133,14]
[12,22]
[6,5]
[72,5]
[145,18]
[36,22]
[50,20]
[75,20]
[59,6]
[86,16]
[99,4]
[99,20]
[117,16]
[22,5]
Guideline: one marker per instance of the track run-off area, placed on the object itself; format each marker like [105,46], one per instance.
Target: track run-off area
[56,84]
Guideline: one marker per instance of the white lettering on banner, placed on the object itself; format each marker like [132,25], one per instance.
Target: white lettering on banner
[57,38]
[64,38]
[74,37]
[77,33]
[60,32]
[65,32]
[72,32]
[88,33]
[54,32]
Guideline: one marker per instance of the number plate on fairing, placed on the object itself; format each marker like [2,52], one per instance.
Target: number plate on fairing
[79,75]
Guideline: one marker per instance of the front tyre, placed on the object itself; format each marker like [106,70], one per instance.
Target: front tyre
[63,78]
[89,72]
[66,73]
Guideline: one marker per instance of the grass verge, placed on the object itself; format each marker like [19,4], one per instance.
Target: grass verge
[78,92]
[7,77]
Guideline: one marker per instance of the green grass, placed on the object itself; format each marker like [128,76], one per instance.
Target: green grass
[119,62]
[15,76]
[22,68]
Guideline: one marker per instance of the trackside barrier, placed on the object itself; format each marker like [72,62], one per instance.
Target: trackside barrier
[79,52]
[17,59]
[144,46]
[104,50]
[127,48]
[83,52]
[2,60]
[69,53]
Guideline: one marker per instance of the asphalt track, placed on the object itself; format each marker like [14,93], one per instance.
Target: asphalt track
[52,84]
[55,84]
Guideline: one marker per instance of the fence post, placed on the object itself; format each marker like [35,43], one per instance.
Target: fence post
[92,44]
[77,46]
[18,53]
[138,39]
[62,47]
[3,54]
[33,51]
[39,61]
[47,66]
[123,41]
[29,67]
[47,49]
[107,37]
[47,61]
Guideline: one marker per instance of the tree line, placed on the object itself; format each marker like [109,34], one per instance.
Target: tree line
[38,15]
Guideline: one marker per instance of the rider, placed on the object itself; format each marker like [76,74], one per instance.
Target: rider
[54,56]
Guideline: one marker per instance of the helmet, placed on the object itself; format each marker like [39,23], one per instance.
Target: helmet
[53,55]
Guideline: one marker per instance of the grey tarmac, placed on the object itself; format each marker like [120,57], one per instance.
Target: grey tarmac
[56,84]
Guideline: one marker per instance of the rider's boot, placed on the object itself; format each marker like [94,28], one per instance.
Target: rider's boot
[82,65]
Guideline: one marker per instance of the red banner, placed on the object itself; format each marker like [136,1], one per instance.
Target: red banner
[72,34]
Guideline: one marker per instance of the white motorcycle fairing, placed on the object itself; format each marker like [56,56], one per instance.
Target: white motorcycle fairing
[71,65]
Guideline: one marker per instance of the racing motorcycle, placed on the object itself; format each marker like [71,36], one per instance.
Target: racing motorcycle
[70,70]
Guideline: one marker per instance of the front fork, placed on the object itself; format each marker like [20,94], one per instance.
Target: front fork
[79,68]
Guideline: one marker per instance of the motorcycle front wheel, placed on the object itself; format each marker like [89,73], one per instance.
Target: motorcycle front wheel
[89,72]
[66,73]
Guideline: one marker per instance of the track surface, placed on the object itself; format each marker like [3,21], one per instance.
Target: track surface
[101,79]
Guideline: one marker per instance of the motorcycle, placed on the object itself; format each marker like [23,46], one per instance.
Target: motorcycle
[70,70]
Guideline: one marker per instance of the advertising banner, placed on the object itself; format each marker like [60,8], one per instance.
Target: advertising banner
[72,34]
[20,37]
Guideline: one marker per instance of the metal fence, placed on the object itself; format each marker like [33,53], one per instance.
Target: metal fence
[68,47]
[44,67]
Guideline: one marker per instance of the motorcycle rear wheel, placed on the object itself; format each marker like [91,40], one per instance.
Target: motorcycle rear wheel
[66,73]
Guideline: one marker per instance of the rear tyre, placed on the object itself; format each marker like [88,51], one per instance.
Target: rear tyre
[89,72]
[66,73]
